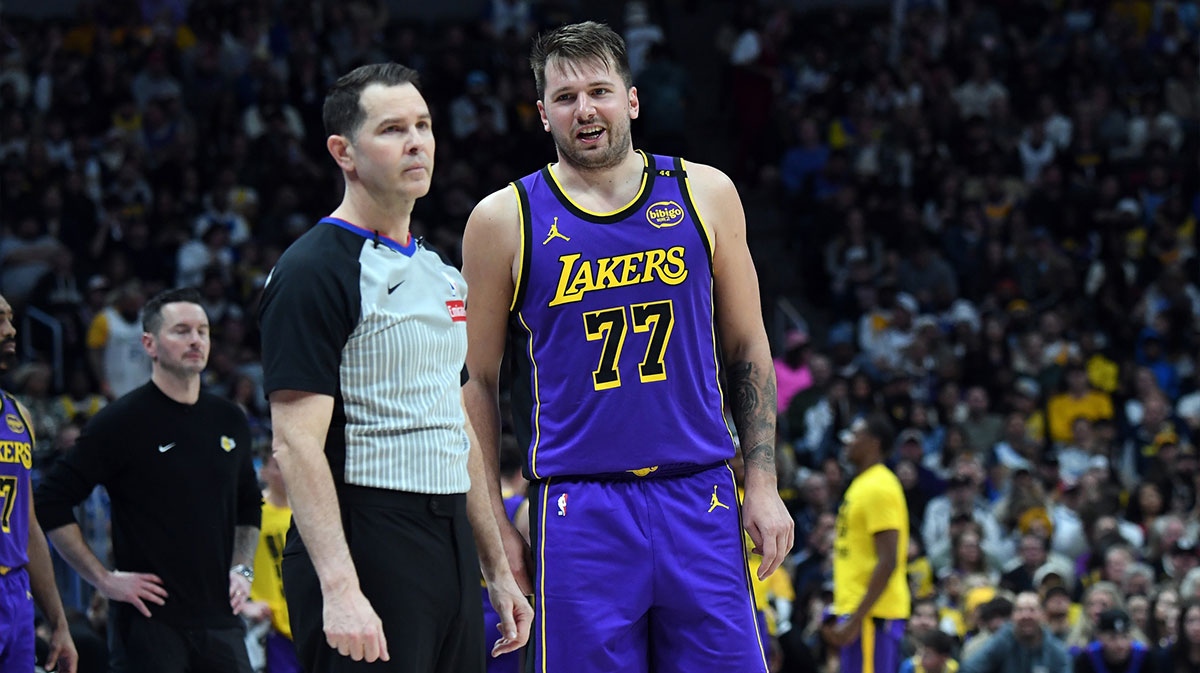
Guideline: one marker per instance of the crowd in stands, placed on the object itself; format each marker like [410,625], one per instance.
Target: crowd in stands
[986,213]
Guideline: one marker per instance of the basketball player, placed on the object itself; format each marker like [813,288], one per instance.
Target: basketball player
[25,571]
[629,299]
[871,600]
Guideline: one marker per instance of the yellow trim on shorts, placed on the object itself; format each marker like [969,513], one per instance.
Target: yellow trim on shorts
[746,571]
[542,568]
[868,645]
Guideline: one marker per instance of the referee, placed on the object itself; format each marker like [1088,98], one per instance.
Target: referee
[185,506]
[364,340]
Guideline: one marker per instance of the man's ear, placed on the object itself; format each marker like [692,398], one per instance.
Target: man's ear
[342,151]
[148,345]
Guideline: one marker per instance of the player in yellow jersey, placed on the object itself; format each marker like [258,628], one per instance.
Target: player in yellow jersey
[871,599]
[266,593]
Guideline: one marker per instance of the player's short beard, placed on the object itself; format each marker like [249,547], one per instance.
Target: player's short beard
[7,360]
[593,160]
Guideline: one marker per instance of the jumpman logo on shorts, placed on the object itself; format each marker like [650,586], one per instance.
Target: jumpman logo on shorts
[555,233]
[714,503]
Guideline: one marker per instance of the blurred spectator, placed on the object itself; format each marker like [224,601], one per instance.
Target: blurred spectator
[477,114]
[26,255]
[1184,653]
[978,94]
[792,372]
[963,504]
[1114,648]
[641,34]
[1077,400]
[1023,645]
[114,341]
[935,655]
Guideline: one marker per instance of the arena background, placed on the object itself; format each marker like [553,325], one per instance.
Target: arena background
[955,208]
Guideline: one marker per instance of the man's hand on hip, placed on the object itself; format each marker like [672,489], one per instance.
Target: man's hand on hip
[134,588]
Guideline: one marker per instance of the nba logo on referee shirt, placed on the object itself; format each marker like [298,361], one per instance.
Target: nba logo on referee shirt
[562,505]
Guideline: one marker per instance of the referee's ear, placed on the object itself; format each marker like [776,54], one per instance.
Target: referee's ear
[342,151]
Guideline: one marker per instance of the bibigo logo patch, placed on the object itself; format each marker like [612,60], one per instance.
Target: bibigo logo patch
[665,214]
[14,423]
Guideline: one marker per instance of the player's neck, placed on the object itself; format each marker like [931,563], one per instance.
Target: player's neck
[184,390]
[389,217]
[614,186]
[868,463]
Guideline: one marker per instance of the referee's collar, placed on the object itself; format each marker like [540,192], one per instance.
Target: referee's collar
[407,248]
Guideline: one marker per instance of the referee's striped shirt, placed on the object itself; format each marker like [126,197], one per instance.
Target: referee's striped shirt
[381,327]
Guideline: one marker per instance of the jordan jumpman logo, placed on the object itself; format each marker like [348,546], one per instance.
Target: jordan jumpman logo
[714,503]
[555,233]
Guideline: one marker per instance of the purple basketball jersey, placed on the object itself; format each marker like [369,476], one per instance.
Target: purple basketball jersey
[16,456]
[612,334]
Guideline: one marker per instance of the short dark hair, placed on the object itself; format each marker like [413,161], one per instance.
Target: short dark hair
[999,607]
[939,641]
[878,426]
[579,43]
[152,319]
[343,112]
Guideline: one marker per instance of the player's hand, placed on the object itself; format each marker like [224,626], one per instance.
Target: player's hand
[239,592]
[516,615]
[840,634]
[137,589]
[352,627]
[62,656]
[770,526]
[516,550]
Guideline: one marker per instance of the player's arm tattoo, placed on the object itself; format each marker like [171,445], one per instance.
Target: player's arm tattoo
[753,408]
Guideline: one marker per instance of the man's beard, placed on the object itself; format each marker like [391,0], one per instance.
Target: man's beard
[618,145]
[7,359]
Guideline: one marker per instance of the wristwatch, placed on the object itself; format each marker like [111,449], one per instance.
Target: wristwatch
[245,571]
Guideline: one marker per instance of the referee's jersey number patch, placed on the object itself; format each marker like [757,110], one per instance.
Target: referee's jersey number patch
[458,311]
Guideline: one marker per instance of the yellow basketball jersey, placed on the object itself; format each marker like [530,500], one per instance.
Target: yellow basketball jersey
[873,503]
[268,573]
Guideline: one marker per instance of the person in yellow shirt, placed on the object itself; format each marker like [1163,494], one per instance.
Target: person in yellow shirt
[266,592]
[870,597]
[1078,400]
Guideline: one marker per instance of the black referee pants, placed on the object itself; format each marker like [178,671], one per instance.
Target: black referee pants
[417,565]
